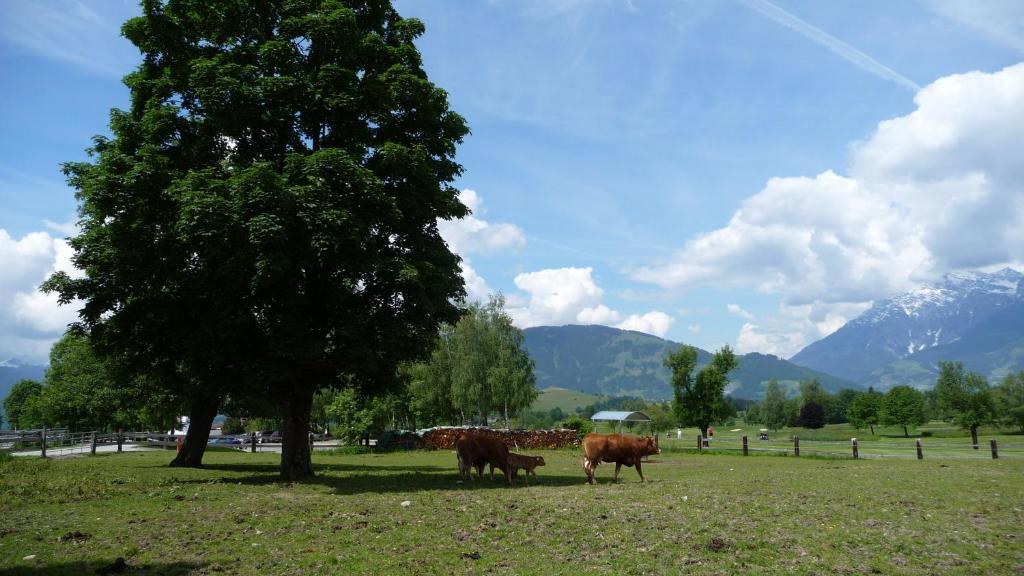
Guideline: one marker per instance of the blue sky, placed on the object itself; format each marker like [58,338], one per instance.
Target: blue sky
[737,172]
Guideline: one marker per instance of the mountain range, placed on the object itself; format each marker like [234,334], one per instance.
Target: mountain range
[614,362]
[973,317]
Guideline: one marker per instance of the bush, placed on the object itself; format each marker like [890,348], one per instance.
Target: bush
[582,426]
[812,416]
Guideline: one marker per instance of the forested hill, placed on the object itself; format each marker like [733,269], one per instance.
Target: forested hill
[613,362]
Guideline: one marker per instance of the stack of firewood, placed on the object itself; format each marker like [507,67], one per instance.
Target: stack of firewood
[444,438]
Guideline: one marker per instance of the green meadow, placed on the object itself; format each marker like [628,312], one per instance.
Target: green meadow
[408,513]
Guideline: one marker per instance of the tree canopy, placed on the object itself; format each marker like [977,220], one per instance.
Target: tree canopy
[699,401]
[966,396]
[903,406]
[265,214]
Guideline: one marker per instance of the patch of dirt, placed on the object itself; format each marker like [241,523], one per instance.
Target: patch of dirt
[717,544]
[75,536]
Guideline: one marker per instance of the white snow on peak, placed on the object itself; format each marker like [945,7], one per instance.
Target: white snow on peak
[9,363]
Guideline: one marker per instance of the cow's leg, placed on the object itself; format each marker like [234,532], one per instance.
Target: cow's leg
[618,466]
[640,471]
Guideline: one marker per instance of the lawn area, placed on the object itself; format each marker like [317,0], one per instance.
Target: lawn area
[938,439]
[708,514]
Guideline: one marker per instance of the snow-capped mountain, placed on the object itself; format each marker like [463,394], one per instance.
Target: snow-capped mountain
[968,316]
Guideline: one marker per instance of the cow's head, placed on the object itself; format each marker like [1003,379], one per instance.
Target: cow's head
[538,461]
[651,446]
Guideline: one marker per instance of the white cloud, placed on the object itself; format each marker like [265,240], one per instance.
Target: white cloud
[599,314]
[473,235]
[477,289]
[654,322]
[31,321]
[939,189]
[819,36]
[694,328]
[739,311]
[790,328]
[558,296]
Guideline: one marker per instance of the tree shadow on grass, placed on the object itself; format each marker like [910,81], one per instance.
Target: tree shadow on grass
[101,567]
[346,479]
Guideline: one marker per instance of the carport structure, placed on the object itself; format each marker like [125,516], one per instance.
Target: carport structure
[620,417]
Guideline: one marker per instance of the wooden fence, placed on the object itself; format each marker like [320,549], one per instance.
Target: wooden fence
[944,448]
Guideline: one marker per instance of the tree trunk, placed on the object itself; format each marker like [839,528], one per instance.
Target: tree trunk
[200,420]
[905,433]
[872,426]
[506,415]
[296,458]
[974,437]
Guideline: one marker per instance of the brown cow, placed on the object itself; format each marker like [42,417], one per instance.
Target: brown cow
[527,463]
[616,448]
[476,450]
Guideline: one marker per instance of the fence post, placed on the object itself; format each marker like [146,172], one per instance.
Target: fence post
[995,449]
[700,442]
[796,445]
[92,443]
[120,439]
[252,438]
[43,444]
[853,441]
[744,444]
[920,450]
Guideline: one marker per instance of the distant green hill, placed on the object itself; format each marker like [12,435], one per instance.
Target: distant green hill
[567,400]
[612,362]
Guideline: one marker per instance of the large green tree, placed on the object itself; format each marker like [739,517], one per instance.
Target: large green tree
[965,396]
[1010,399]
[903,406]
[490,370]
[265,214]
[865,411]
[773,409]
[18,399]
[701,400]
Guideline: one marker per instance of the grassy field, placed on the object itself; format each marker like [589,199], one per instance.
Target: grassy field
[563,398]
[707,514]
[939,440]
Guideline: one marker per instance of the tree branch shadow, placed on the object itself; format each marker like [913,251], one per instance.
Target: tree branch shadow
[348,479]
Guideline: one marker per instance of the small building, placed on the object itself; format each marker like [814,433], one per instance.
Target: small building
[620,417]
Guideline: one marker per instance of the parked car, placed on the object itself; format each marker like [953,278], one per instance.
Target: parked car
[271,437]
[224,440]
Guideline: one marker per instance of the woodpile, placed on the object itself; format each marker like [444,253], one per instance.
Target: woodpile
[444,438]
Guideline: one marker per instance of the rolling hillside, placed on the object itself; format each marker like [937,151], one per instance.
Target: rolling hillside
[613,362]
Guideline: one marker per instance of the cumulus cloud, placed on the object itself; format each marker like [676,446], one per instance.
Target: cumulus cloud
[654,322]
[790,328]
[473,235]
[30,321]
[477,289]
[939,189]
[558,296]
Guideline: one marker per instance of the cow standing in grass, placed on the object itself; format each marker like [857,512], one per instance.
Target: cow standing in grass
[475,450]
[616,448]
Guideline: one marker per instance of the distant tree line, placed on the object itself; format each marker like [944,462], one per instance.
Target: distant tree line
[964,398]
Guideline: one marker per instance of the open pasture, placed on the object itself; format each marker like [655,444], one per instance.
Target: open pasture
[707,514]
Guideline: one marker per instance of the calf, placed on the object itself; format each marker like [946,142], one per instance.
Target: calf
[615,448]
[475,450]
[527,463]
